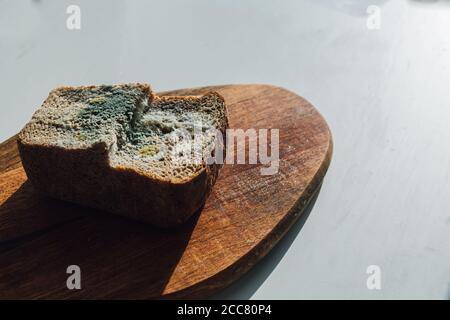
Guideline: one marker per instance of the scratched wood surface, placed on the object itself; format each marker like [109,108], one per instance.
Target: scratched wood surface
[244,217]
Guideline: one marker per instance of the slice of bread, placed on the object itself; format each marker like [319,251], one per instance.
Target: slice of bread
[125,150]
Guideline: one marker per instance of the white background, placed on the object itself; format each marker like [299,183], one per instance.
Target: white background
[385,93]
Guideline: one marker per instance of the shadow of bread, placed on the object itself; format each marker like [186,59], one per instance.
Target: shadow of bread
[109,249]
[23,211]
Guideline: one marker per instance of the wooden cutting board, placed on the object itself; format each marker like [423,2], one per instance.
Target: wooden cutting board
[244,217]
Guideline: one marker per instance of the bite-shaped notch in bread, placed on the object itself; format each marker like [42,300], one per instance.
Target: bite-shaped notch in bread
[125,150]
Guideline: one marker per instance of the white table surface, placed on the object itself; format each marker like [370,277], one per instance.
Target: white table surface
[385,94]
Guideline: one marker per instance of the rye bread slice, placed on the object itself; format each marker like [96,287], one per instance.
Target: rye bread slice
[124,150]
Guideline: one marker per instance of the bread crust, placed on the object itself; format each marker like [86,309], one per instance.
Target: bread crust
[85,177]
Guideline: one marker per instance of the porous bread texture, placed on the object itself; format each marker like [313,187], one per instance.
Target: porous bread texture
[173,135]
[122,149]
[79,117]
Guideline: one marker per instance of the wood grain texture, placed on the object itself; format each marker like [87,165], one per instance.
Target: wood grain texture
[244,217]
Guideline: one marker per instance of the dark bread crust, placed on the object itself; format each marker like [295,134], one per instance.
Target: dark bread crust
[85,176]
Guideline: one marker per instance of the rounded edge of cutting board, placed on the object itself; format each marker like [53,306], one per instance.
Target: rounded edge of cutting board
[235,271]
